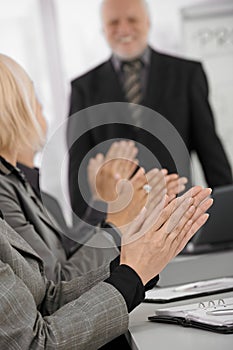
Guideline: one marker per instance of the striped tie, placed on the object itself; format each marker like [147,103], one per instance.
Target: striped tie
[132,81]
[133,87]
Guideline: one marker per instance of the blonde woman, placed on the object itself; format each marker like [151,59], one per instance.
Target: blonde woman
[86,312]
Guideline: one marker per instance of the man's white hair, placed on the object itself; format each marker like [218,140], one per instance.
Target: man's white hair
[143,2]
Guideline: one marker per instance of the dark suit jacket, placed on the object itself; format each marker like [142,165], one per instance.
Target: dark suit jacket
[178,90]
[84,313]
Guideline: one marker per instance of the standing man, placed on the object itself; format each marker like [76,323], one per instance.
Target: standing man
[174,87]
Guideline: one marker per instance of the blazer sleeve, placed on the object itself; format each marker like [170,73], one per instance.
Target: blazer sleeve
[59,294]
[205,140]
[87,322]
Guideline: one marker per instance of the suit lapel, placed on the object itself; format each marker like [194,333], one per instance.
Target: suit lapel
[109,89]
[42,212]
[16,240]
[157,80]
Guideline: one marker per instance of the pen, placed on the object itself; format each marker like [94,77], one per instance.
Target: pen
[220,312]
[196,285]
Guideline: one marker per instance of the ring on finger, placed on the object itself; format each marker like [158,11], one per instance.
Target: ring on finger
[147,188]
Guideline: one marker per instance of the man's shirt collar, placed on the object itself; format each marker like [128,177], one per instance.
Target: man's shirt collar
[144,57]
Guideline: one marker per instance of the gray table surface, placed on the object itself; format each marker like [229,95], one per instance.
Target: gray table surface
[150,336]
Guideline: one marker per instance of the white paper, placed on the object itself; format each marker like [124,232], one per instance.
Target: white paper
[189,289]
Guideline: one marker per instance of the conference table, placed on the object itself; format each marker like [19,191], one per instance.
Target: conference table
[147,335]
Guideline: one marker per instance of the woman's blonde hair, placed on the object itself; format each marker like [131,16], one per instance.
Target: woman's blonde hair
[18,104]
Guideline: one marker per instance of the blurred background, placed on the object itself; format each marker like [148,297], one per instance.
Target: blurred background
[58,40]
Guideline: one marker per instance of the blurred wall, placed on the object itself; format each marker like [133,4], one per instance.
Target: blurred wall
[208,36]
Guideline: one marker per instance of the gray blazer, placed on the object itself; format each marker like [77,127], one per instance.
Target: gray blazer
[84,313]
[26,214]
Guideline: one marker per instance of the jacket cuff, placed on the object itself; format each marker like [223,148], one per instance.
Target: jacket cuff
[129,284]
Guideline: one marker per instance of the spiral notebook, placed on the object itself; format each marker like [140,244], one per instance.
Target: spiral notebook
[214,315]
